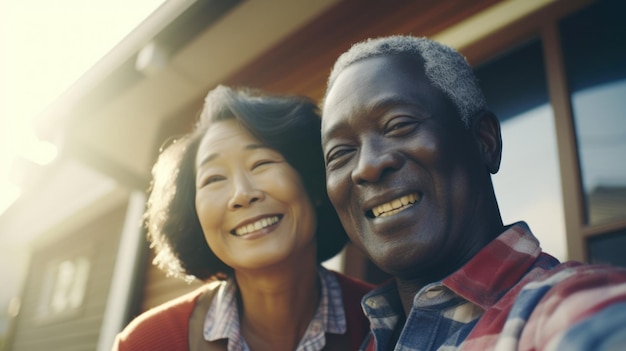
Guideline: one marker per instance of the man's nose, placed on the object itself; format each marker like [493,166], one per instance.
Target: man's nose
[374,162]
[245,193]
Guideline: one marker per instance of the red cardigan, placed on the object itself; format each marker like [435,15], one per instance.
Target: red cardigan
[166,327]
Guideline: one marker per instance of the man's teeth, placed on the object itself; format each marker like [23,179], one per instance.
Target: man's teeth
[258,225]
[394,206]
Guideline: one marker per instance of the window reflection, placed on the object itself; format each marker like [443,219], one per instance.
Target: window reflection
[528,185]
[601,130]
[595,61]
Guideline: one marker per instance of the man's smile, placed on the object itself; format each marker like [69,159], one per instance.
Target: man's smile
[394,206]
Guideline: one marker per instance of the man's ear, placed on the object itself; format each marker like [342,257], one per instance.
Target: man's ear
[486,129]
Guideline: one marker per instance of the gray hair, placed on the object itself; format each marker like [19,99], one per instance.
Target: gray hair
[444,67]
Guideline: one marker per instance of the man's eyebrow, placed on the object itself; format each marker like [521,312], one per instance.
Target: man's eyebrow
[213,156]
[382,103]
[332,130]
[390,101]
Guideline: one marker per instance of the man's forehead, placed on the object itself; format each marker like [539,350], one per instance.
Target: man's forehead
[354,81]
[373,83]
[376,70]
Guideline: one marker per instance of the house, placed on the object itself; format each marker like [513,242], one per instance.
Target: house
[553,70]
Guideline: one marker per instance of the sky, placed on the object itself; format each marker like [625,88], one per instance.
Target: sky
[45,46]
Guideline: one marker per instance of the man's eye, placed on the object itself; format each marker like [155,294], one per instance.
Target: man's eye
[337,154]
[401,125]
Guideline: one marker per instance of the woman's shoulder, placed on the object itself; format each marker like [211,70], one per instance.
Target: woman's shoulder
[165,326]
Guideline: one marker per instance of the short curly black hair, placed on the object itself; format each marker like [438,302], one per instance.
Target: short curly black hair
[288,124]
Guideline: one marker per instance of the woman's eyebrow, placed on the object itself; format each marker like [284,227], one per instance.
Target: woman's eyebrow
[256,146]
[208,159]
[213,156]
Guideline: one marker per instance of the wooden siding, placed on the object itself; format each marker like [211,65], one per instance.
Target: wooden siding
[80,329]
[301,63]
[159,288]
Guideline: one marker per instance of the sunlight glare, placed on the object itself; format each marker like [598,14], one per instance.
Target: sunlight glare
[45,47]
[10,193]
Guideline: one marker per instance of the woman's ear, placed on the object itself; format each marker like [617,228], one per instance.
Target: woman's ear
[486,129]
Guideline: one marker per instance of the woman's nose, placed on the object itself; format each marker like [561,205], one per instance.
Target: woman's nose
[245,193]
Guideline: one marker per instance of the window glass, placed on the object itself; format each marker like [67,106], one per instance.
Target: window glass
[594,50]
[64,287]
[528,185]
[608,248]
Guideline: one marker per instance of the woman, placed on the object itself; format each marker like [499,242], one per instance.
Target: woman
[241,202]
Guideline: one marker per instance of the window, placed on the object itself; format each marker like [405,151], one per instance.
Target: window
[594,51]
[528,185]
[64,287]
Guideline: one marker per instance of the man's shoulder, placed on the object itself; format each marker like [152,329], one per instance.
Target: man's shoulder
[561,285]
[552,302]
[574,295]
[572,275]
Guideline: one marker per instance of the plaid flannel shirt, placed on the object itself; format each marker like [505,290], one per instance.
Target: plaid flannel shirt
[510,296]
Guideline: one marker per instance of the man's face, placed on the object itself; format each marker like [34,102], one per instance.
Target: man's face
[403,172]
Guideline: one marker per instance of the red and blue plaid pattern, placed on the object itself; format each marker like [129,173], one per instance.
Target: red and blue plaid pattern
[510,296]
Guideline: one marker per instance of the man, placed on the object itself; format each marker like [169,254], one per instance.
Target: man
[410,148]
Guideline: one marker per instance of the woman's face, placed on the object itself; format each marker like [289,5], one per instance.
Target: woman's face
[253,208]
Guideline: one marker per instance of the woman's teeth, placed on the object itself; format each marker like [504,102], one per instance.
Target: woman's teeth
[258,225]
[394,206]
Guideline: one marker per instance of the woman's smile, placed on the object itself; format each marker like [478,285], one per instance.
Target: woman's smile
[252,227]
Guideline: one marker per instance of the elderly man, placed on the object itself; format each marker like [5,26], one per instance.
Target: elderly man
[410,148]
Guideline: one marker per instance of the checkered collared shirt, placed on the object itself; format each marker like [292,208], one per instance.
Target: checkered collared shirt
[222,318]
[510,296]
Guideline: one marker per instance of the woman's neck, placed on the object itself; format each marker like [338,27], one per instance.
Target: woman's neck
[277,305]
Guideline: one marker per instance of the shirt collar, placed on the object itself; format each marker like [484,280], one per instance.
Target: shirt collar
[329,316]
[222,318]
[481,281]
[497,267]
[331,308]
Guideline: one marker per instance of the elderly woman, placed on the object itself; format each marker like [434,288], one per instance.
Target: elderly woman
[240,203]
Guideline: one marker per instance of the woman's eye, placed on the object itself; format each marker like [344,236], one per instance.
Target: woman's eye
[262,163]
[211,180]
